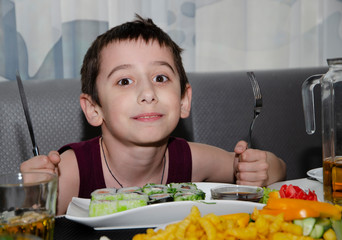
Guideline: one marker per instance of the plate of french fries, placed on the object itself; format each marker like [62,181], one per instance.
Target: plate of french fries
[280,218]
[159,214]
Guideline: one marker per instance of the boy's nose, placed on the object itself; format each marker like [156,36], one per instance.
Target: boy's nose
[147,94]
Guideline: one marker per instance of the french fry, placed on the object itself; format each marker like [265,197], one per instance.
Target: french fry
[215,220]
[208,228]
[262,225]
[241,218]
[182,227]
[247,233]
[194,215]
[291,228]
[275,226]
[231,227]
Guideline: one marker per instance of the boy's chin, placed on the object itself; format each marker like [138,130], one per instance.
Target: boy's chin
[152,141]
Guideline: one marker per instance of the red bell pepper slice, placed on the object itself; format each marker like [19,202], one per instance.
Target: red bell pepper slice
[290,191]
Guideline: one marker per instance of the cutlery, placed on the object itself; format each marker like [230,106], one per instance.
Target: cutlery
[257,104]
[27,114]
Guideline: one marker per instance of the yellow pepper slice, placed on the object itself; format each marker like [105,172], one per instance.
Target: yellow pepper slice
[292,214]
[294,205]
[274,194]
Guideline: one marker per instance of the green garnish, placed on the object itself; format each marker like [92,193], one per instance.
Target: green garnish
[265,196]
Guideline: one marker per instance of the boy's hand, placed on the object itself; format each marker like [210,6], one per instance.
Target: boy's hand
[251,166]
[42,163]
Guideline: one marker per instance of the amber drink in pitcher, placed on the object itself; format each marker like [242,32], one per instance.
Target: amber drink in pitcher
[332,173]
[331,111]
[28,204]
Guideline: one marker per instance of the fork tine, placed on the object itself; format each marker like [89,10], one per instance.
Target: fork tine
[257,103]
[258,91]
[255,85]
[251,74]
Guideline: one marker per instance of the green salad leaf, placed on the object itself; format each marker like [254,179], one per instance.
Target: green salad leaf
[265,196]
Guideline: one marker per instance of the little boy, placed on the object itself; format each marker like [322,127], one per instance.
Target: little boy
[134,86]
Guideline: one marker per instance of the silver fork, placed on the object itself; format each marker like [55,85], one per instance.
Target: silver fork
[257,104]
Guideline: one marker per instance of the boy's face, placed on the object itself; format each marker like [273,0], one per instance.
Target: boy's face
[139,90]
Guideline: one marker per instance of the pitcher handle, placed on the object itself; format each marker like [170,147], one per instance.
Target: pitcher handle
[309,103]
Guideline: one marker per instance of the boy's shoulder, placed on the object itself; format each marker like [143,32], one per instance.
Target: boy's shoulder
[86,144]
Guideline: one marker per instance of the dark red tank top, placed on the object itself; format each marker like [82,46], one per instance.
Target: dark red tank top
[90,167]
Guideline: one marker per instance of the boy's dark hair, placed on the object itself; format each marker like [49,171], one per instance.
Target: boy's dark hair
[140,28]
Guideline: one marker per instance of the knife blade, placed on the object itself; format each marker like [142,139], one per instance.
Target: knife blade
[35,148]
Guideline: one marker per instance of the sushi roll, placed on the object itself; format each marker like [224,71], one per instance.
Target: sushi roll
[109,200]
[105,207]
[124,205]
[102,207]
[152,188]
[131,196]
[160,198]
[103,194]
[181,187]
[189,195]
[129,190]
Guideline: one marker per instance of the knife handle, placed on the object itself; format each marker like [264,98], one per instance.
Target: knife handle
[35,151]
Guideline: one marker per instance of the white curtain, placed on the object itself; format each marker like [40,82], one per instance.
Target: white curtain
[47,39]
[267,34]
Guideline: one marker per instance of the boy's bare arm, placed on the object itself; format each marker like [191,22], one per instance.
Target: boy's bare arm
[250,166]
[211,164]
[69,181]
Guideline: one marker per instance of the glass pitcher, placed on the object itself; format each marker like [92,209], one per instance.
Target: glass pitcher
[331,98]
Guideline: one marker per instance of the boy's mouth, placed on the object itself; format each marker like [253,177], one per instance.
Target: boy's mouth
[148,116]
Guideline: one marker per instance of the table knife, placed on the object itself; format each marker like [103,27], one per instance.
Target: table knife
[27,115]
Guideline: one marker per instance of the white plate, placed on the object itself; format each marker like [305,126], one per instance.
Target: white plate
[156,214]
[316,173]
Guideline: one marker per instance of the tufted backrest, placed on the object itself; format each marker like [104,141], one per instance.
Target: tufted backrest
[222,109]
[56,117]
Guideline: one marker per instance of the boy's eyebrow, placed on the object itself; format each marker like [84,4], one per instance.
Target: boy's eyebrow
[163,63]
[123,66]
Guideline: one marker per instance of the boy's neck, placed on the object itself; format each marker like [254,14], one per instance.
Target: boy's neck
[144,164]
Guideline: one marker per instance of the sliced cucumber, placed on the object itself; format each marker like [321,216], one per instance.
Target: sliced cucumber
[337,227]
[308,224]
[314,227]
[325,222]
[317,231]
[298,222]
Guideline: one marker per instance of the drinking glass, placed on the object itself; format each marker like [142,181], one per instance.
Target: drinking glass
[28,204]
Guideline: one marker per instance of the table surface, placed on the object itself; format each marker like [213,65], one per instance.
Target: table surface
[66,229]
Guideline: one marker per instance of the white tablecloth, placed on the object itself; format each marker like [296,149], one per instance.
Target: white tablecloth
[305,184]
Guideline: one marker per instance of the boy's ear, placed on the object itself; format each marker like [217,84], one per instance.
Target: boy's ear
[91,110]
[186,102]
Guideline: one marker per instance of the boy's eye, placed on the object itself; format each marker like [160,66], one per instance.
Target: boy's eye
[160,78]
[125,81]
